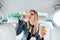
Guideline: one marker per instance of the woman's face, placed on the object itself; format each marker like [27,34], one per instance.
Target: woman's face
[32,16]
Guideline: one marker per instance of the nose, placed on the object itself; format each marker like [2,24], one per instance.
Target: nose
[29,15]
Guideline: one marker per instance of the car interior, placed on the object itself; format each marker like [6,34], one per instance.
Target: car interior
[12,10]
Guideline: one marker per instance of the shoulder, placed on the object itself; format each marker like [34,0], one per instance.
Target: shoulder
[21,21]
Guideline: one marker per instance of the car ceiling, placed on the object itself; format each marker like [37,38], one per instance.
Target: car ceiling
[43,6]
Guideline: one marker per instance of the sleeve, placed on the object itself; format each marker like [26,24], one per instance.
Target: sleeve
[42,38]
[20,27]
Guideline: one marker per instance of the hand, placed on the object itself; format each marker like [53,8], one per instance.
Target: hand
[43,33]
[24,16]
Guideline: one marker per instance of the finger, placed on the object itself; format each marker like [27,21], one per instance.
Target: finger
[23,15]
[43,33]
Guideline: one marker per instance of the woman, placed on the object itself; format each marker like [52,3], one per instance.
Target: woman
[30,28]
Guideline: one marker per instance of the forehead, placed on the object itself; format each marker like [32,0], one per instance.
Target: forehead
[32,12]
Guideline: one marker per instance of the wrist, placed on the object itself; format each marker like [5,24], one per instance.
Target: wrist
[21,18]
[41,38]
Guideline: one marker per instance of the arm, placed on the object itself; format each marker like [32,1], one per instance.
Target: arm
[18,27]
[21,25]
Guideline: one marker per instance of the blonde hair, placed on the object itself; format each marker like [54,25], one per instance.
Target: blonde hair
[35,13]
[36,19]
